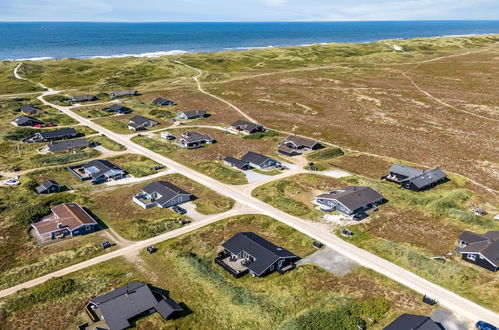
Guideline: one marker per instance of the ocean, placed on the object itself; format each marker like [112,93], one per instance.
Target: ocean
[38,41]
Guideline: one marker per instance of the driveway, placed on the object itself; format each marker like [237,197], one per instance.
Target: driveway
[330,260]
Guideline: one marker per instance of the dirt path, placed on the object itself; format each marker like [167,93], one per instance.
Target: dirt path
[247,204]
[200,88]
[421,90]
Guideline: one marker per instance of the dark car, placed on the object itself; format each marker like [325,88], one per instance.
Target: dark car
[482,325]
[151,249]
[105,245]
[178,210]
[318,244]
[99,180]
[158,167]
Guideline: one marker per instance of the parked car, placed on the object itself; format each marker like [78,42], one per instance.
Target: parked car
[158,167]
[151,249]
[106,245]
[38,125]
[482,325]
[51,125]
[12,182]
[184,221]
[318,244]
[99,180]
[178,209]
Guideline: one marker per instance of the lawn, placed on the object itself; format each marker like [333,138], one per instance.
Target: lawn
[107,143]
[137,165]
[305,297]
[20,258]
[115,207]
[207,159]
[294,195]
[324,158]
[409,230]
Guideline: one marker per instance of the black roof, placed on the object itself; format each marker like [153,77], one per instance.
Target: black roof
[66,145]
[124,92]
[253,157]
[264,252]
[354,197]
[83,98]
[236,162]
[102,166]
[194,113]
[165,189]
[25,119]
[58,133]
[29,109]
[140,120]
[116,107]
[163,101]
[246,125]
[46,185]
[412,322]
[119,306]
[486,245]
[192,137]
[427,178]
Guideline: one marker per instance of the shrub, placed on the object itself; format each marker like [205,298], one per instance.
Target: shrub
[53,289]
[261,135]
[20,133]
[324,154]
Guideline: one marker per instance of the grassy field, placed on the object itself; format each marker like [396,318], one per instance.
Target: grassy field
[409,230]
[10,85]
[115,207]
[306,296]
[294,194]
[323,158]
[107,143]
[208,158]
[21,258]
[137,165]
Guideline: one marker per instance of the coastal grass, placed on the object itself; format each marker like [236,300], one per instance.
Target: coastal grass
[137,165]
[210,167]
[107,143]
[184,267]
[469,281]
[115,207]
[10,85]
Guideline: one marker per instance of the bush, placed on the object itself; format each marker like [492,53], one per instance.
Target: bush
[165,114]
[53,289]
[261,135]
[142,229]
[20,134]
[324,154]
[344,317]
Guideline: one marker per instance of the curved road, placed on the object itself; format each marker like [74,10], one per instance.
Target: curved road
[460,306]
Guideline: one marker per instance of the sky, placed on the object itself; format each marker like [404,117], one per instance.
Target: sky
[245,10]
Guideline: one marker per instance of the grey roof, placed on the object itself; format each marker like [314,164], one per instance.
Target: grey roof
[412,322]
[102,166]
[83,98]
[167,307]
[124,92]
[254,158]
[235,162]
[140,120]
[24,119]
[264,252]
[119,306]
[163,101]
[116,107]
[300,142]
[246,125]
[192,137]
[46,185]
[427,178]
[61,133]
[29,109]
[67,145]
[488,246]
[193,113]
[405,170]
[471,237]
[285,149]
[165,189]
[354,197]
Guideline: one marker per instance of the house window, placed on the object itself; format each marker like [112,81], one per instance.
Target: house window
[87,227]
[471,257]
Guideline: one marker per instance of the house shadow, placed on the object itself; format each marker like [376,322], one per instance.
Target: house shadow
[101,225]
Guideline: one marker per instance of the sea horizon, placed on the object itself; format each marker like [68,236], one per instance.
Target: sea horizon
[87,40]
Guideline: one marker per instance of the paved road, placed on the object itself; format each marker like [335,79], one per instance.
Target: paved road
[459,305]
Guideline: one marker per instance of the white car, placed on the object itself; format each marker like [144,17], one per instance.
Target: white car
[12,182]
